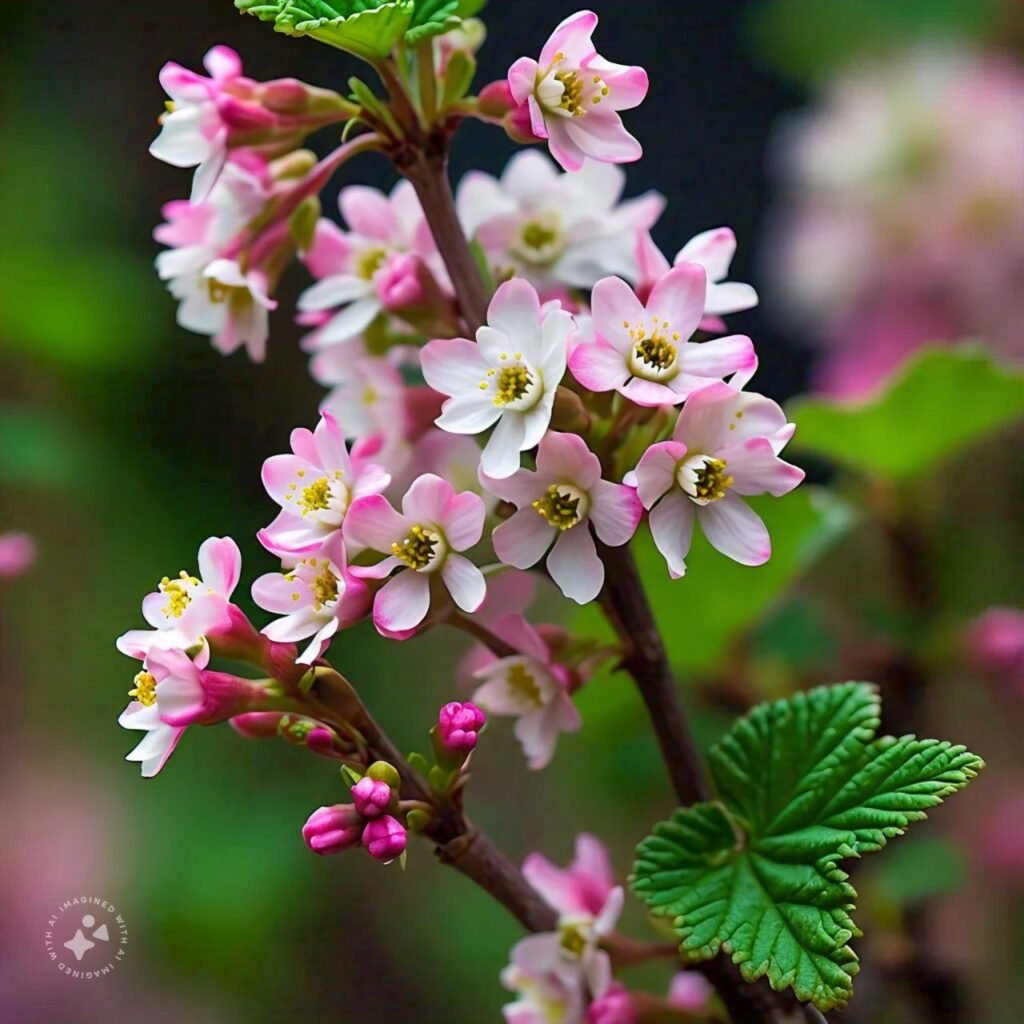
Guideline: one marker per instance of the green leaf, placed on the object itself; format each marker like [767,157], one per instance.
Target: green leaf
[366,28]
[803,785]
[942,401]
[431,18]
[458,77]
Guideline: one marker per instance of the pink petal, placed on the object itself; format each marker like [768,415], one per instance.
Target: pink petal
[462,520]
[616,512]
[427,499]
[465,582]
[556,885]
[719,357]
[756,469]
[598,366]
[372,523]
[220,564]
[500,456]
[603,136]
[672,529]
[330,251]
[627,85]
[734,528]
[515,310]
[679,298]
[222,63]
[453,367]
[565,458]
[402,603]
[517,631]
[564,148]
[330,444]
[521,488]
[656,470]
[650,393]
[730,297]
[574,565]
[571,38]
[593,864]
[522,77]
[368,212]
[522,540]
[279,472]
[719,415]
[613,303]
[468,414]
[713,250]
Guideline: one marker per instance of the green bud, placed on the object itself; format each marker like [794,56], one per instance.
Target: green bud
[303,221]
[384,772]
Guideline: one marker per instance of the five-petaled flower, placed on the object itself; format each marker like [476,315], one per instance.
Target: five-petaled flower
[643,350]
[572,97]
[725,446]
[422,542]
[557,505]
[508,376]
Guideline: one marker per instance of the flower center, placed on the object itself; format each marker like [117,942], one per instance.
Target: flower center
[570,92]
[515,382]
[540,241]
[573,941]
[178,593]
[235,295]
[522,683]
[655,352]
[326,498]
[562,505]
[144,690]
[421,549]
[324,586]
[704,479]
[369,262]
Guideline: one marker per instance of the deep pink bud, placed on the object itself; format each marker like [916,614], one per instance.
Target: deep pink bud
[333,829]
[995,640]
[495,99]
[614,1007]
[371,796]
[689,991]
[399,283]
[257,725]
[459,725]
[384,837]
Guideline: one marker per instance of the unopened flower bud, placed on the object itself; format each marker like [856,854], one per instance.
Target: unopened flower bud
[459,725]
[333,829]
[495,100]
[384,838]
[371,796]
[614,1007]
[384,772]
[257,725]
[689,991]
[995,644]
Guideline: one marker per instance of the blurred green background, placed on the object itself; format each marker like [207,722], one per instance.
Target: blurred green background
[125,442]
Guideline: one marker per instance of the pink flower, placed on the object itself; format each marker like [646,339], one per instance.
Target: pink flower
[172,693]
[713,250]
[579,889]
[316,596]
[314,487]
[333,829]
[573,96]
[530,687]
[182,610]
[725,446]
[545,997]
[508,377]
[354,267]
[385,838]
[459,725]
[643,350]
[371,797]
[995,644]
[614,1007]
[194,132]
[422,541]
[17,553]
[557,506]
[556,230]
[690,991]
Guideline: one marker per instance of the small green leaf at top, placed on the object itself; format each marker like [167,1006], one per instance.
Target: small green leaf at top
[431,18]
[943,400]
[366,28]
[803,784]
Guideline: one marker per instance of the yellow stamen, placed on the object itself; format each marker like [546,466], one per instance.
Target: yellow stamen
[144,690]
[418,549]
[178,595]
[560,506]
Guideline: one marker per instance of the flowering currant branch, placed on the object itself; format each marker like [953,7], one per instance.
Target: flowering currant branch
[479,442]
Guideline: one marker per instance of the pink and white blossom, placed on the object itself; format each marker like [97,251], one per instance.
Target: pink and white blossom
[532,688]
[17,553]
[572,97]
[315,486]
[506,379]
[422,542]
[316,595]
[713,250]
[725,447]
[557,506]
[557,230]
[543,997]
[183,609]
[581,888]
[642,349]
[356,270]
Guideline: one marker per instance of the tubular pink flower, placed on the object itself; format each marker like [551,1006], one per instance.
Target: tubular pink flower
[385,838]
[371,797]
[184,609]
[507,378]
[316,596]
[459,725]
[422,542]
[314,487]
[530,687]
[573,96]
[725,446]
[558,504]
[642,350]
[17,553]
[581,888]
[556,230]
[333,829]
